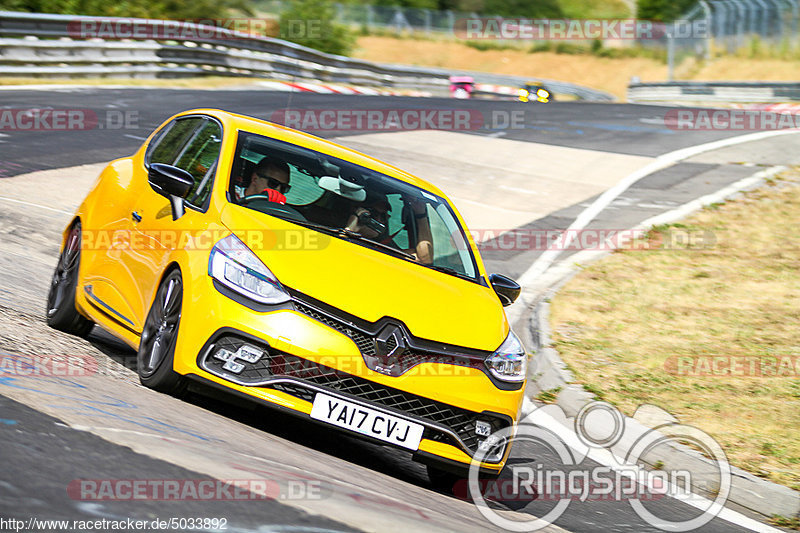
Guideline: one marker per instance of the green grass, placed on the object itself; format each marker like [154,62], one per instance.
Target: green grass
[595,9]
[595,48]
[548,396]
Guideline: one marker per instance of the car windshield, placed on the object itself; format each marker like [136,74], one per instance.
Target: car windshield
[350,202]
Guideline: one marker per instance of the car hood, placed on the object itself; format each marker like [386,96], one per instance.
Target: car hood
[371,284]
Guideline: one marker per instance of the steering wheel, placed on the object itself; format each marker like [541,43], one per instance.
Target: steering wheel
[261,202]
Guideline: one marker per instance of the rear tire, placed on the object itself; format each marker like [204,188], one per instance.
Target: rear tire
[160,333]
[61,311]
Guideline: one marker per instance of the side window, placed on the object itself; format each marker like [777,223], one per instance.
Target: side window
[199,158]
[192,144]
[166,146]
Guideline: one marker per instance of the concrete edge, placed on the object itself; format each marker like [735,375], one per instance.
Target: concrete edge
[548,372]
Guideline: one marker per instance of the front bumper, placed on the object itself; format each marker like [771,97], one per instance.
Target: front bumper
[308,350]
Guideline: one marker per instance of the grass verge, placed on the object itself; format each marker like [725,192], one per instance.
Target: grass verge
[683,327]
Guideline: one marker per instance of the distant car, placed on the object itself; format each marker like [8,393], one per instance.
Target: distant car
[349,293]
[535,91]
[461,86]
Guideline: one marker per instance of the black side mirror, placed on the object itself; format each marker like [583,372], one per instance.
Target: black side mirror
[506,288]
[171,182]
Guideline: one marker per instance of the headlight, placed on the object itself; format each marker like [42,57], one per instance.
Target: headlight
[235,266]
[509,362]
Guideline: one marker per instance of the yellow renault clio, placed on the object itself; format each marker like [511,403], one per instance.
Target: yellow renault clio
[297,273]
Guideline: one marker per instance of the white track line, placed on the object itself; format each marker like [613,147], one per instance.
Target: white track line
[12,200]
[544,261]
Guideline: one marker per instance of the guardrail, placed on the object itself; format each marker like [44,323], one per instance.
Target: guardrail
[43,45]
[731,92]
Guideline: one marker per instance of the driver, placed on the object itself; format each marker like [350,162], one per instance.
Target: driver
[270,178]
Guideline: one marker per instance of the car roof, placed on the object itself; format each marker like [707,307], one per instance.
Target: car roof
[283,133]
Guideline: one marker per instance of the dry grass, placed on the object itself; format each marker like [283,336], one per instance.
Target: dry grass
[618,323]
[607,74]
[611,75]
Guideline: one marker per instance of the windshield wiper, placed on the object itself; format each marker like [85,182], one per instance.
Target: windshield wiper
[451,271]
[350,234]
[313,225]
[356,235]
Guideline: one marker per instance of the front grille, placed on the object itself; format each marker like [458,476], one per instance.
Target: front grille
[366,345]
[274,365]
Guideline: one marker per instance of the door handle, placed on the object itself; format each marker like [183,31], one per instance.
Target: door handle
[136,216]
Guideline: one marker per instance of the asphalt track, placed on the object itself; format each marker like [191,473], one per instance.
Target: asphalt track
[150,436]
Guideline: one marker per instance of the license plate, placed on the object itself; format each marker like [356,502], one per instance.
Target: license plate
[366,421]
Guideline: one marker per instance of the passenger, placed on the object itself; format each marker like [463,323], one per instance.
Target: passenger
[372,221]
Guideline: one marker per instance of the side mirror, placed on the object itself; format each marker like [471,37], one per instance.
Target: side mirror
[171,182]
[506,288]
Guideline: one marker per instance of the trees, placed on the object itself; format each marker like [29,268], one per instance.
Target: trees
[662,10]
[310,23]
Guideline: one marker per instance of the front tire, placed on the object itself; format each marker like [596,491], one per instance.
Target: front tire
[159,336]
[61,311]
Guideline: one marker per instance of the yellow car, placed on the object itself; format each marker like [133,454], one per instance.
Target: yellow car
[535,91]
[300,274]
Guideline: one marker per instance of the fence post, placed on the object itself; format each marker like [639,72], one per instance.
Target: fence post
[671,54]
[764,14]
[707,40]
[778,18]
[740,21]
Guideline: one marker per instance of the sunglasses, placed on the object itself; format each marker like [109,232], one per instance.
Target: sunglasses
[272,183]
